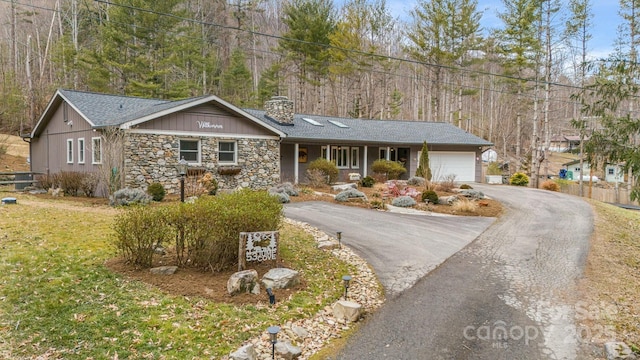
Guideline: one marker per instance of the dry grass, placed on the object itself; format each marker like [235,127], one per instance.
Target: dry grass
[465,206]
[612,275]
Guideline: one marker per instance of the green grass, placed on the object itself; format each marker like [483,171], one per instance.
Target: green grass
[57,298]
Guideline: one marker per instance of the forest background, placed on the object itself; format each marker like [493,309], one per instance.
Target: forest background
[518,86]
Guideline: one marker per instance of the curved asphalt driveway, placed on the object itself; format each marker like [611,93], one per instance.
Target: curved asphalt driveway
[401,248]
[508,295]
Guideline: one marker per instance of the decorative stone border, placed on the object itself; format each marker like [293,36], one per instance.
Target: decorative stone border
[314,333]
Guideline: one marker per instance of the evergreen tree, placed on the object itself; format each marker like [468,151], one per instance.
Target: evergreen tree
[236,80]
[424,169]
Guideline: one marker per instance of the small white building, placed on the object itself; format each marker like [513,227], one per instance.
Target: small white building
[612,173]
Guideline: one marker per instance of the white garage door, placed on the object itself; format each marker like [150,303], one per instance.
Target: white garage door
[460,164]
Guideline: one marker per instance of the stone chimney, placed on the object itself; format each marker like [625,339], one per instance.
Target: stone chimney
[280,108]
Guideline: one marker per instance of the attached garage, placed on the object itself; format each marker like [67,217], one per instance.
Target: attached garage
[460,164]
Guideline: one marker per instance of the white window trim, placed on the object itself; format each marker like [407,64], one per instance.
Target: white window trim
[69,151]
[81,151]
[93,150]
[235,153]
[198,153]
[334,156]
[354,153]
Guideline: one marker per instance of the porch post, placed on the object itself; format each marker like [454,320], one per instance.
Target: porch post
[296,151]
[364,163]
[328,152]
[388,154]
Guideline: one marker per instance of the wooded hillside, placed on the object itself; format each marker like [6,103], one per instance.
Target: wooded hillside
[517,86]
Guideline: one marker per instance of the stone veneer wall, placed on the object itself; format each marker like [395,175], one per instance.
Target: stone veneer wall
[153,158]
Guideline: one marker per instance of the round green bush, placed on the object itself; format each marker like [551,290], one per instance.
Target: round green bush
[430,196]
[519,179]
[367,182]
[326,167]
[157,192]
[392,169]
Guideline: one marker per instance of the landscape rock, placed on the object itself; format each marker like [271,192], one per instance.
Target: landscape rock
[328,244]
[347,310]
[247,352]
[164,270]
[618,351]
[288,351]
[447,200]
[473,194]
[245,281]
[281,278]
[299,331]
[343,187]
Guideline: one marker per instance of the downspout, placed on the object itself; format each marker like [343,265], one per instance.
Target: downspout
[296,151]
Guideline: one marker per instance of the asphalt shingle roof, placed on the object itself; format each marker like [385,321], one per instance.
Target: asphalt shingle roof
[108,110]
[373,131]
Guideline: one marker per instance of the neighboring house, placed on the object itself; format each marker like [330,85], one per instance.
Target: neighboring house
[612,173]
[565,143]
[262,147]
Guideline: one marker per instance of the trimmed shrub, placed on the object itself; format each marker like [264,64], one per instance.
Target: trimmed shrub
[367,181]
[127,196]
[137,232]
[157,191]
[424,169]
[47,181]
[350,194]
[391,169]
[241,211]
[416,181]
[466,187]
[550,185]
[70,182]
[328,169]
[519,179]
[403,201]
[429,196]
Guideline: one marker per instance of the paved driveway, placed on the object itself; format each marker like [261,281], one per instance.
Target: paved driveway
[401,248]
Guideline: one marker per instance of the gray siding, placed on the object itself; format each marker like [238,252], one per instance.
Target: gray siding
[49,149]
[206,118]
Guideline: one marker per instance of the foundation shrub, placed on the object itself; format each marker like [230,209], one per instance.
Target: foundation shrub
[89,184]
[47,181]
[328,169]
[391,169]
[367,182]
[157,191]
[71,182]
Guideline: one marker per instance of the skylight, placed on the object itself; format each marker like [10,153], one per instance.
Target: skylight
[312,122]
[338,124]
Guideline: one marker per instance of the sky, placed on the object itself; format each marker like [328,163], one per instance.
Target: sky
[604,31]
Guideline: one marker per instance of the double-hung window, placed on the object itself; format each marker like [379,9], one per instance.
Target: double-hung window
[190,150]
[81,151]
[227,152]
[96,150]
[69,151]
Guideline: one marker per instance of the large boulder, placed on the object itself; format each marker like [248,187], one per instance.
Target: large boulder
[447,200]
[343,187]
[615,350]
[245,281]
[347,310]
[288,351]
[281,278]
[247,352]
[472,194]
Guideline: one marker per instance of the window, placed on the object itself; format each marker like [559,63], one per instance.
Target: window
[81,151]
[96,150]
[355,158]
[227,152]
[69,151]
[190,150]
[382,153]
[611,171]
[340,156]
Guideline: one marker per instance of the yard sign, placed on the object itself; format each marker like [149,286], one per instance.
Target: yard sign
[258,246]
